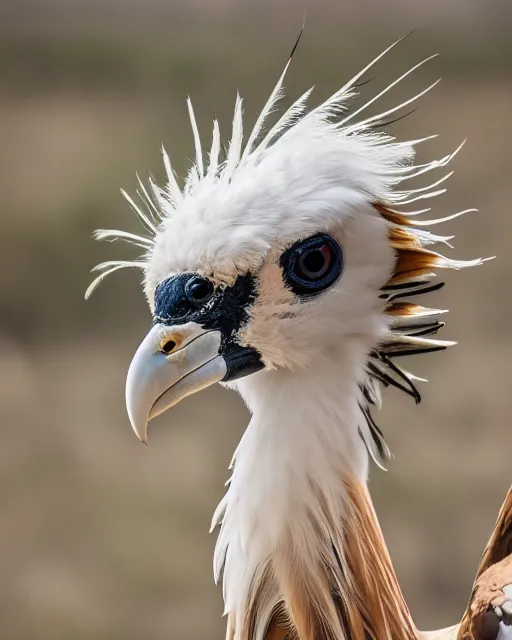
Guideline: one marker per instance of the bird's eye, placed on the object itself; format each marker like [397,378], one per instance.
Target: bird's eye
[198,290]
[312,265]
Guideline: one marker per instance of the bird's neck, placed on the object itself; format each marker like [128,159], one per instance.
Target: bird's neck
[300,543]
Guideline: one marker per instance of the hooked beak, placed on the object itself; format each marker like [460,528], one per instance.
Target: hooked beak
[170,364]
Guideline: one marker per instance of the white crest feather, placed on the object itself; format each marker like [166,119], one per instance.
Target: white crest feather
[173,187]
[197,139]
[275,96]
[235,146]
[385,90]
[142,216]
[289,117]
[213,165]
[109,267]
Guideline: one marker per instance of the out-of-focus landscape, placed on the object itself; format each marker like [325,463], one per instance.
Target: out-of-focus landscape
[103,538]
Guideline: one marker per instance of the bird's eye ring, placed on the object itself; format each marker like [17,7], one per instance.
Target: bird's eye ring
[198,290]
[312,265]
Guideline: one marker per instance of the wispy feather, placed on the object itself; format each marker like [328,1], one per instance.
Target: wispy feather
[287,120]
[197,139]
[113,234]
[453,216]
[390,86]
[235,145]
[141,215]
[213,165]
[276,94]
[364,124]
[172,184]
[110,267]
[154,212]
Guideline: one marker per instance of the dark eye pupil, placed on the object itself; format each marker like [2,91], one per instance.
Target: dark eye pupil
[315,262]
[199,289]
[312,265]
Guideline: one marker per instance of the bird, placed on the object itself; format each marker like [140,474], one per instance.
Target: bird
[289,267]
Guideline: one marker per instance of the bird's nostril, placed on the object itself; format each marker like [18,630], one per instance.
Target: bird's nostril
[168,346]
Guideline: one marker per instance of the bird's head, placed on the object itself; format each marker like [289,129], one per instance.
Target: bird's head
[287,251]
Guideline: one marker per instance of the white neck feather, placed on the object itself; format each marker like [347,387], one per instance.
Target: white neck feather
[287,485]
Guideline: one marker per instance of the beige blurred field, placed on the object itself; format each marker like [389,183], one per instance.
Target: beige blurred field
[101,538]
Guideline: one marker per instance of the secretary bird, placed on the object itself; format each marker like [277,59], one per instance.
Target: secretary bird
[284,269]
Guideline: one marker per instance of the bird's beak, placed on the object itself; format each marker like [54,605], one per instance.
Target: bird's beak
[170,364]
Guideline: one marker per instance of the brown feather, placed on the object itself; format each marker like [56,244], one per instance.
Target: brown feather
[354,595]
[412,260]
[382,607]
[277,633]
[413,263]
[307,596]
[403,309]
[486,595]
[391,216]
[500,543]
[401,238]
[494,573]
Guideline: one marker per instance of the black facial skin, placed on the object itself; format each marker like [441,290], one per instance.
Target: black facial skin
[309,266]
[189,297]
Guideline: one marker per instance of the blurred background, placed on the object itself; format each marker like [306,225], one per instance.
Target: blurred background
[103,538]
